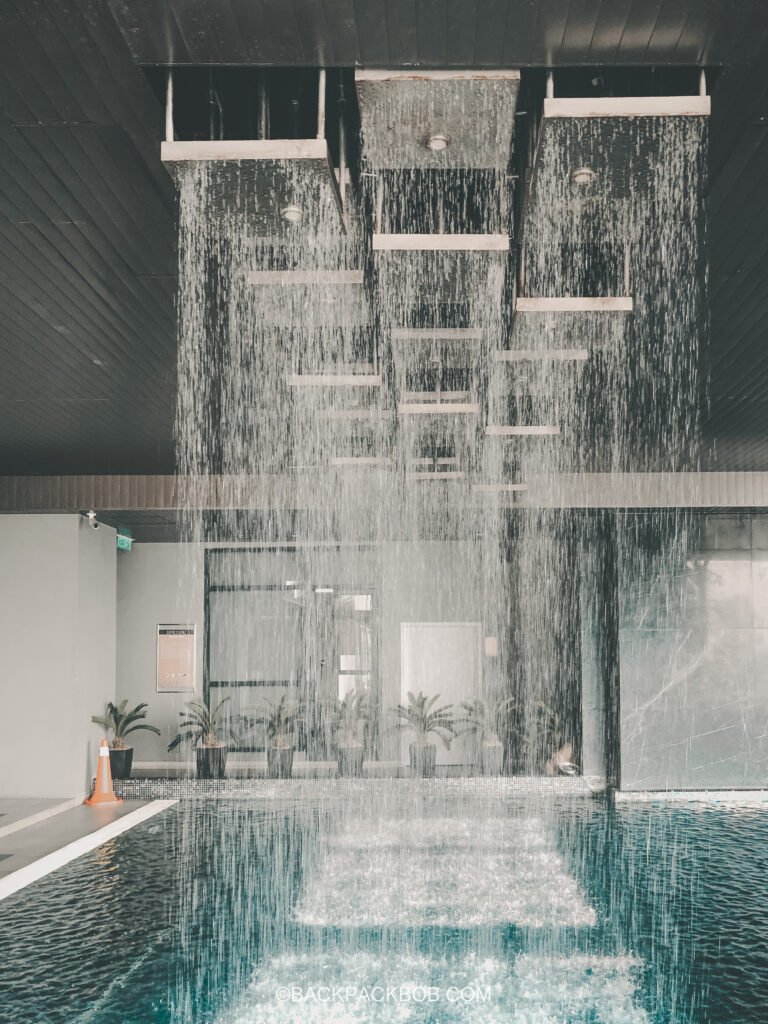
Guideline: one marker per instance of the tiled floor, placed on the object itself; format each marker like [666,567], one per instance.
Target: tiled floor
[29,844]
[13,809]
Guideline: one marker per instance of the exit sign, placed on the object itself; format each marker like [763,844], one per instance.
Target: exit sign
[124,542]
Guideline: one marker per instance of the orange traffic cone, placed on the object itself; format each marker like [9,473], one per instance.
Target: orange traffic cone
[102,791]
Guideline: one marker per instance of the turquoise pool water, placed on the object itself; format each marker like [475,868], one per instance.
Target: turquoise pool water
[400,910]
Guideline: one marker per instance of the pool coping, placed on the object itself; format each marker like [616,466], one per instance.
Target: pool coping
[740,797]
[43,866]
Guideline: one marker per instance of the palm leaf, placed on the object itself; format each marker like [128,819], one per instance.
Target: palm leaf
[134,728]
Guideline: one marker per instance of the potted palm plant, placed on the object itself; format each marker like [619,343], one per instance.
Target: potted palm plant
[278,719]
[350,718]
[486,721]
[421,717]
[203,728]
[121,722]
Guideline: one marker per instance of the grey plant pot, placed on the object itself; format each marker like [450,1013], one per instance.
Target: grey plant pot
[351,760]
[120,763]
[211,762]
[279,762]
[423,757]
[492,758]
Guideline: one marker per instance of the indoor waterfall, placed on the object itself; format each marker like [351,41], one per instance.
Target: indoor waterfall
[449,486]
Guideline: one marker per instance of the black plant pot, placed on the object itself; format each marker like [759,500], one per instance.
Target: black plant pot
[423,757]
[351,761]
[211,762]
[120,762]
[279,762]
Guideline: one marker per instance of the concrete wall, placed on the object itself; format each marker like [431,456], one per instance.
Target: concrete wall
[694,653]
[57,650]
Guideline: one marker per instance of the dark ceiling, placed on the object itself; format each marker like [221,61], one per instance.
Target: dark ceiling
[86,208]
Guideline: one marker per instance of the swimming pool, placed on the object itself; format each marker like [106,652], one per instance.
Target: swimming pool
[412,905]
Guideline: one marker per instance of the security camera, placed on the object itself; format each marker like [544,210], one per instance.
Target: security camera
[92,521]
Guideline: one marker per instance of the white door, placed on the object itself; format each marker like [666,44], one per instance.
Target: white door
[444,658]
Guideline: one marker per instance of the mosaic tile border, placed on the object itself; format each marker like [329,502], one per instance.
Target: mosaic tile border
[192,788]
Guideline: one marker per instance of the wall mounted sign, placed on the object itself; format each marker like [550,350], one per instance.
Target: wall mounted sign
[175,658]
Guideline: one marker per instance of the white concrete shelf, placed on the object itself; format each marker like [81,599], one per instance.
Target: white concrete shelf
[343,461]
[575,304]
[437,334]
[441,243]
[499,488]
[628,106]
[555,355]
[448,475]
[537,431]
[305,278]
[439,409]
[329,380]
[354,413]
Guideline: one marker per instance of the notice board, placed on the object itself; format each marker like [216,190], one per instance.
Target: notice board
[175,658]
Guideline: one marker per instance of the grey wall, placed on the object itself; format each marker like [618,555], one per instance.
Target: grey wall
[57,650]
[694,655]
[156,583]
[414,582]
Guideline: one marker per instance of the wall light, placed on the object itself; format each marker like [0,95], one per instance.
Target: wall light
[583,175]
[437,143]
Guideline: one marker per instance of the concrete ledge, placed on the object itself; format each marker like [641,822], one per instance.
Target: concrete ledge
[436,243]
[444,75]
[731,797]
[305,278]
[573,304]
[244,149]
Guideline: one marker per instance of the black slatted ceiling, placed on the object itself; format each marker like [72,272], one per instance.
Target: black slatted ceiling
[86,244]
[482,33]
[737,422]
